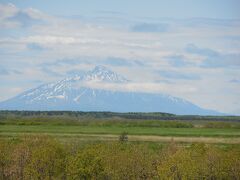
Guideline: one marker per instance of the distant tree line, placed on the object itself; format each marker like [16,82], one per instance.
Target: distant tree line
[102,115]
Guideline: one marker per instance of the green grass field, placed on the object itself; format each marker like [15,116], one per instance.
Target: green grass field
[183,132]
[85,126]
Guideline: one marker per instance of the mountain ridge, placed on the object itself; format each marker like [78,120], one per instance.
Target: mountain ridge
[71,94]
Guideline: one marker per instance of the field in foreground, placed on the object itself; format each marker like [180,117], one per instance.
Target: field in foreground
[45,157]
[73,145]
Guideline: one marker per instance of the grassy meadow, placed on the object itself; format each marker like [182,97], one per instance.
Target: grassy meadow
[97,124]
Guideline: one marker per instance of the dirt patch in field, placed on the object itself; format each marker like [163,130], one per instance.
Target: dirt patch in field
[147,138]
[186,139]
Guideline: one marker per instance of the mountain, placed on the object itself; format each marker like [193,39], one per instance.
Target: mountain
[73,94]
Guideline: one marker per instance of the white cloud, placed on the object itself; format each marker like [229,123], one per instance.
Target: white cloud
[150,87]
[13,17]
[7,11]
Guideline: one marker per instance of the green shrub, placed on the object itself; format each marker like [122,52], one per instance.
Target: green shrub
[200,162]
[47,161]
[86,164]
[123,137]
[5,159]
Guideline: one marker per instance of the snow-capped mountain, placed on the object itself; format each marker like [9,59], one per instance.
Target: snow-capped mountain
[101,73]
[73,94]
[98,74]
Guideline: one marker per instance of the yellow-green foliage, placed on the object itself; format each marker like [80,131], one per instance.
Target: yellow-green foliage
[42,157]
[5,159]
[86,164]
[47,161]
[126,161]
[200,162]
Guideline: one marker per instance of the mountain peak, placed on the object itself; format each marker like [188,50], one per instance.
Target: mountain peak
[102,73]
[101,68]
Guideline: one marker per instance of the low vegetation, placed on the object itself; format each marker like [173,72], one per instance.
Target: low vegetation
[43,157]
[105,145]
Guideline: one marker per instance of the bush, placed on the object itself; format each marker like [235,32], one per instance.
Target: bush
[200,162]
[86,164]
[47,160]
[123,137]
[5,159]
[129,161]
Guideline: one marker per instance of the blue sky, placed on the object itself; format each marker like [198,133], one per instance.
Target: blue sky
[141,8]
[189,49]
